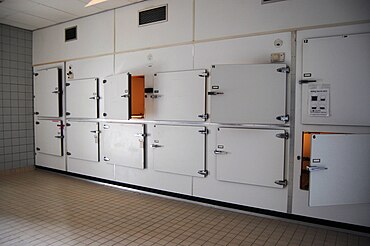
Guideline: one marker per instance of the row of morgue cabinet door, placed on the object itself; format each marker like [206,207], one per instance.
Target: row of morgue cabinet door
[238,94]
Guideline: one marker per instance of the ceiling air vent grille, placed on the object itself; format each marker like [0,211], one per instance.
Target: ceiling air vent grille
[270,1]
[153,15]
[71,33]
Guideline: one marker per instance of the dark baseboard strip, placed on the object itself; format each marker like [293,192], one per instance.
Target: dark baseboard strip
[301,218]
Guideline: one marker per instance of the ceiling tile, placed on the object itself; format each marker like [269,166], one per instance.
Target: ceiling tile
[74,7]
[29,20]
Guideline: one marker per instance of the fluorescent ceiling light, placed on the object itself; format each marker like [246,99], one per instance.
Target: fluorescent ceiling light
[93,2]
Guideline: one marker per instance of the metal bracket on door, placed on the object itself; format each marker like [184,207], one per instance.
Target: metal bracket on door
[316,168]
[283,118]
[281,182]
[203,172]
[219,152]
[284,135]
[205,131]
[204,74]
[126,95]
[283,69]
[204,116]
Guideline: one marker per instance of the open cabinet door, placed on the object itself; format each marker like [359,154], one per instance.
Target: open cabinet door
[117,93]
[340,169]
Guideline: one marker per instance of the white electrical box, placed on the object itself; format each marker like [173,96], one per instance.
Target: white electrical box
[180,96]
[251,94]
[49,137]
[82,98]
[48,92]
[83,140]
[335,80]
[251,156]
[117,97]
[339,169]
[179,149]
[123,144]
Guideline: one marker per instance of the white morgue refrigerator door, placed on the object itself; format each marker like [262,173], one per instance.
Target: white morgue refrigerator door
[335,80]
[49,137]
[250,156]
[179,149]
[180,95]
[82,98]
[117,97]
[340,169]
[254,93]
[123,144]
[48,92]
[83,140]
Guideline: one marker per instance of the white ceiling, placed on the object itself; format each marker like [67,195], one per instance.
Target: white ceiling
[34,14]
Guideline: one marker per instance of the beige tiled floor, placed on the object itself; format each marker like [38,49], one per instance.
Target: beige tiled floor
[43,208]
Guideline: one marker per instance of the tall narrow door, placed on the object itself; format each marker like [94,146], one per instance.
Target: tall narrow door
[49,137]
[339,169]
[254,94]
[251,156]
[48,92]
[83,140]
[82,98]
[180,95]
[116,97]
[123,144]
[179,149]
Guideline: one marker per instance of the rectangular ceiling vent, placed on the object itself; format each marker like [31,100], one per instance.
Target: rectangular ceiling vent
[70,33]
[153,15]
[270,1]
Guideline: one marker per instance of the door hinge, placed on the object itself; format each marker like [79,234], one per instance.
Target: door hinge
[283,69]
[283,118]
[284,135]
[204,74]
[68,84]
[68,113]
[36,74]
[203,172]
[106,126]
[57,92]
[106,158]
[205,131]
[126,96]
[281,182]
[36,113]
[38,149]
[214,93]
[141,135]
[219,152]
[69,153]
[37,123]
[104,81]
[203,116]
[68,124]
[95,131]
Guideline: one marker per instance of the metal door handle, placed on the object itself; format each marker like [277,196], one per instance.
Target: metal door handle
[140,135]
[156,146]
[315,168]
[213,93]
[106,158]
[219,152]
[60,137]
[94,98]
[155,96]
[96,131]
[56,92]
[126,95]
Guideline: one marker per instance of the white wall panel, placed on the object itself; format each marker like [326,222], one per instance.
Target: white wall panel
[94,37]
[51,161]
[96,67]
[178,28]
[149,62]
[93,169]
[219,18]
